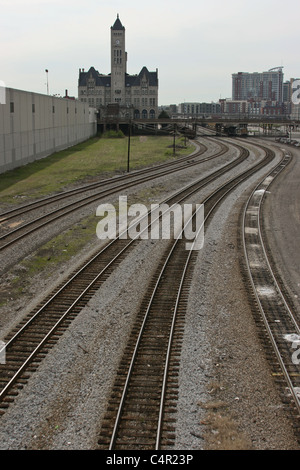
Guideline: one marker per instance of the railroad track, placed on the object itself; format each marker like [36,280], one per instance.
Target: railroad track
[24,229]
[45,202]
[28,343]
[277,323]
[140,414]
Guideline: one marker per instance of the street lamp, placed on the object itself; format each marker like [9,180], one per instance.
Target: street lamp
[128,155]
[174,140]
[47,81]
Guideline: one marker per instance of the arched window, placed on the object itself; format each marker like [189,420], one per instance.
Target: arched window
[152,114]
[136,114]
[144,114]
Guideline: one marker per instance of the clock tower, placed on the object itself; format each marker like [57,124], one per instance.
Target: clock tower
[118,63]
[118,94]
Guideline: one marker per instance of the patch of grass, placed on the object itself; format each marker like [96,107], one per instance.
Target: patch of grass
[113,135]
[90,159]
[221,430]
[48,258]
[223,434]
[61,248]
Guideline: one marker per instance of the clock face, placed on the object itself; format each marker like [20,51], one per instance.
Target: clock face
[117,42]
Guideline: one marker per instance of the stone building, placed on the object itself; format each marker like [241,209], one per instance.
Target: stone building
[118,93]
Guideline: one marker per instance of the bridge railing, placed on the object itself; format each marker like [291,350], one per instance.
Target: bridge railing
[214,118]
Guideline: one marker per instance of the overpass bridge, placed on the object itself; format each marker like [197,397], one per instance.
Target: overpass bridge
[221,124]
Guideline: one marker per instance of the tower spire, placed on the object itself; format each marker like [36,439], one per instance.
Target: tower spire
[118,25]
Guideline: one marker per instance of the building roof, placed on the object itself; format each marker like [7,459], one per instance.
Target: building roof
[135,80]
[105,80]
[118,25]
[100,80]
[150,76]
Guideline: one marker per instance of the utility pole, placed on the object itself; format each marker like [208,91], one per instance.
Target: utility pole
[128,157]
[174,139]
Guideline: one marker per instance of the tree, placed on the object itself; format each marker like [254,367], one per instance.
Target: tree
[164,115]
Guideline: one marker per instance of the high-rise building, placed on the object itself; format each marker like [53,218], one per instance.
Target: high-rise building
[287,91]
[128,95]
[198,109]
[258,86]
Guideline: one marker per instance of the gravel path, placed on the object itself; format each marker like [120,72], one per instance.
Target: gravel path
[227,398]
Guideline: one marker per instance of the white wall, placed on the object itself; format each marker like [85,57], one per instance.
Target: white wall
[295,114]
[39,125]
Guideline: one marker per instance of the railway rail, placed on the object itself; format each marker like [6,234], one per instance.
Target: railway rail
[278,324]
[26,345]
[20,210]
[139,415]
[115,185]
[152,392]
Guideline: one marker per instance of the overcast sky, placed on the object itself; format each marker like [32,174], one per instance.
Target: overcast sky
[196,45]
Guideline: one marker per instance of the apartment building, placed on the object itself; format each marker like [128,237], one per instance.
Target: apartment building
[258,86]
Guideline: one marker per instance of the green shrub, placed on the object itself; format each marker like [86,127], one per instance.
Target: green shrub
[113,134]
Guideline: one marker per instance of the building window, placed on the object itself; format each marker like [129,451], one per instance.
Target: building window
[33,107]
[12,107]
[53,109]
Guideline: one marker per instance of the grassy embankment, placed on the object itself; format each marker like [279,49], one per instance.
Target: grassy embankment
[82,163]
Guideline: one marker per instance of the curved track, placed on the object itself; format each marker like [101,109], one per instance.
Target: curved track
[275,319]
[140,415]
[114,185]
[27,344]
[140,411]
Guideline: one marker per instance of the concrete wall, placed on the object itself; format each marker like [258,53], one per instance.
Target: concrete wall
[33,126]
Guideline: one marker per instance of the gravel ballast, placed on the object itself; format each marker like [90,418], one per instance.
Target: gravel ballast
[227,397]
